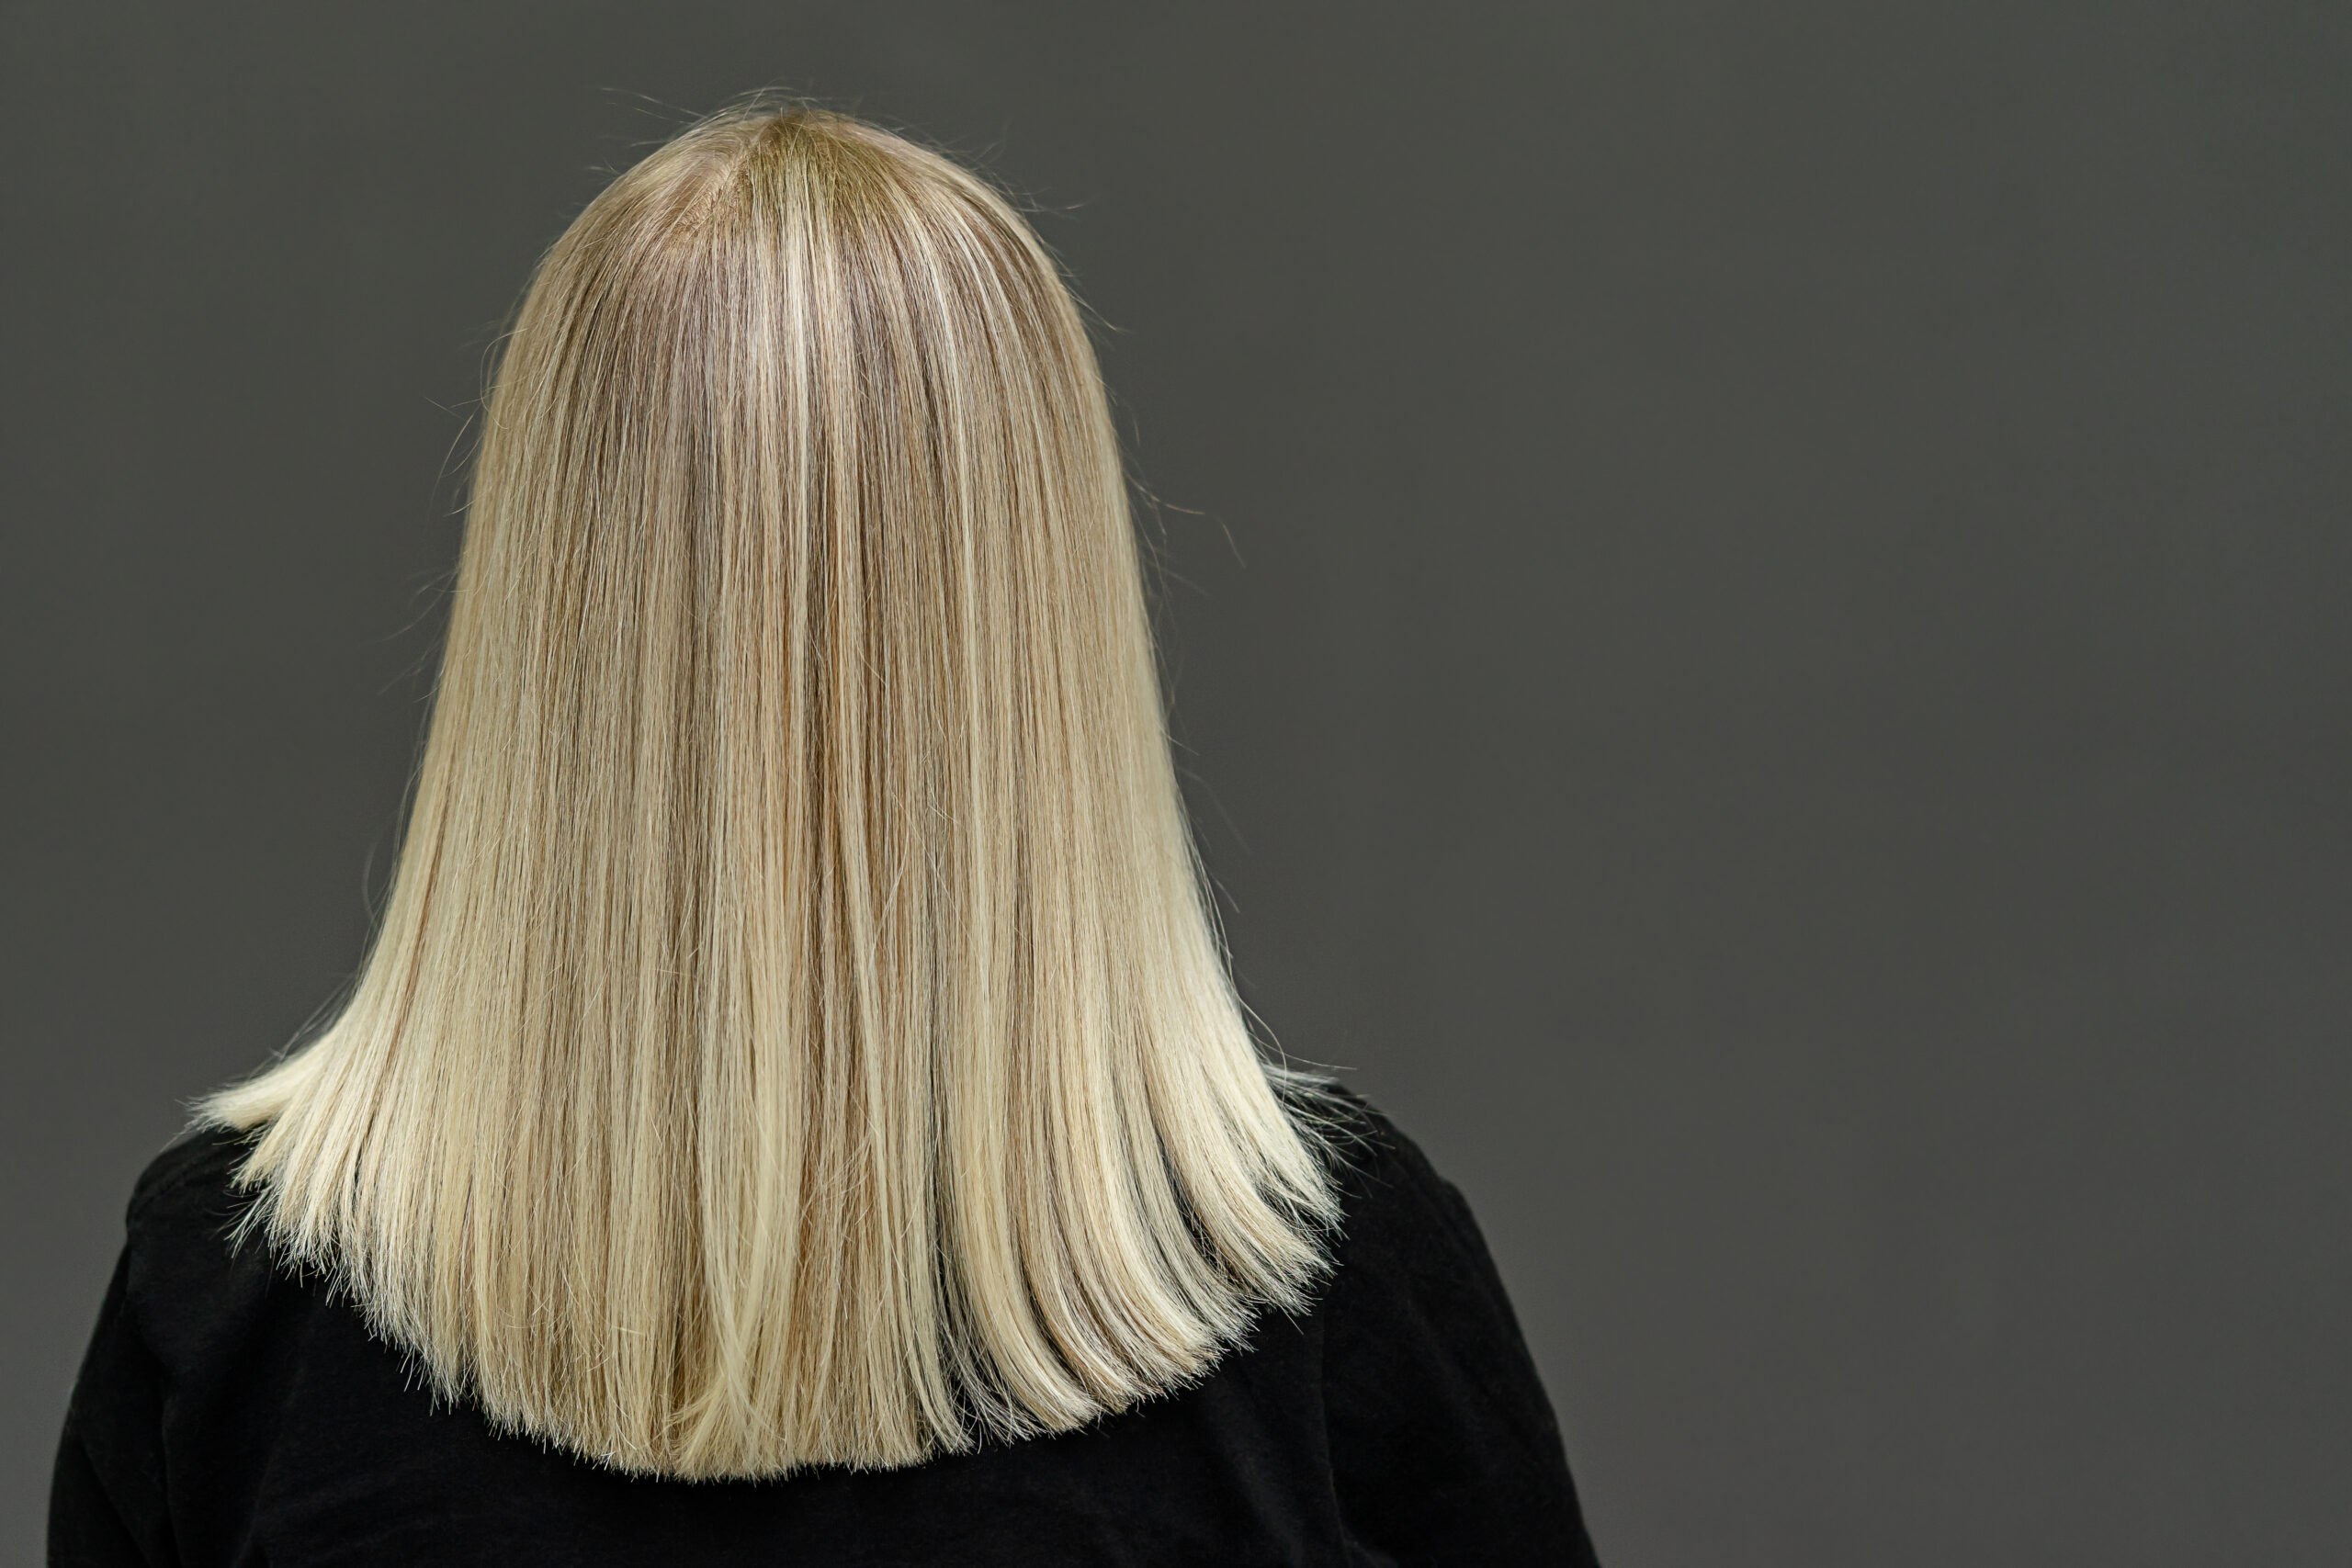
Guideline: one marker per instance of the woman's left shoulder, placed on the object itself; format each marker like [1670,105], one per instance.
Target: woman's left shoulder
[190,1267]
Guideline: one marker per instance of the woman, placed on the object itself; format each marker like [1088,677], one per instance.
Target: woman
[795,1109]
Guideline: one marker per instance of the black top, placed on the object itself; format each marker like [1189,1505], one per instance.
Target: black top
[231,1413]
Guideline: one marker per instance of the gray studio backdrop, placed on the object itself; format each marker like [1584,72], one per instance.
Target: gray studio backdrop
[1755,597]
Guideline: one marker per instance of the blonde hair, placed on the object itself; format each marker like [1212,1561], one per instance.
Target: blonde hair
[795,1034]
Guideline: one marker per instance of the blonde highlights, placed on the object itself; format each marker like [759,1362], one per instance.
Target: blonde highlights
[796,1032]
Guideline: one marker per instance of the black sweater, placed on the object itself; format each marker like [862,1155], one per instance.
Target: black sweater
[231,1413]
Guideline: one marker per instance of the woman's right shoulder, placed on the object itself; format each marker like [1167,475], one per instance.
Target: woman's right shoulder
[1382,1176]
[1443,1440]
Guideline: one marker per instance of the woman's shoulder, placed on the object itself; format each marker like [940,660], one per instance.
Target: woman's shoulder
[1443,1440]
[188,1190]
[190,1266]
[1391,1198]
[1407,1255]
[198,1167]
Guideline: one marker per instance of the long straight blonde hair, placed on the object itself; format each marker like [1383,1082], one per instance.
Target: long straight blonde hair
[795,1034]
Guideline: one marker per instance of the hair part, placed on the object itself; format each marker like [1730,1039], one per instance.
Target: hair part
[796,1033]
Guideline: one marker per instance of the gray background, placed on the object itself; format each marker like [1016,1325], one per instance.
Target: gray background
[1757,597]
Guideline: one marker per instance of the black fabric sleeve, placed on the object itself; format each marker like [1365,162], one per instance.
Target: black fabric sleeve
[1444,1449]
[106,1502]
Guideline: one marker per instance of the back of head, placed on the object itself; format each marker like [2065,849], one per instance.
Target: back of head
[795,1034]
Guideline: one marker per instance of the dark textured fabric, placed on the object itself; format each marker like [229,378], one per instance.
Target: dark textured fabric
[230,1413]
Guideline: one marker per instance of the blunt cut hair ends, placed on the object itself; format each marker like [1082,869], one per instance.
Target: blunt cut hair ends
[796,1033]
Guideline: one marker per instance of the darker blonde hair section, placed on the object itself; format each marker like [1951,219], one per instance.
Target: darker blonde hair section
[796,1033]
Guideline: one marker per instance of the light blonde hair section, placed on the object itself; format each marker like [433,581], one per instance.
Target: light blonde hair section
[795,1034]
